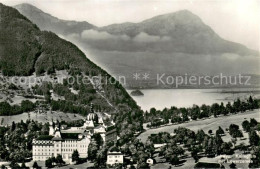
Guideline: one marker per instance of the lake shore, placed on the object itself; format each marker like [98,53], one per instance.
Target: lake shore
[166,98]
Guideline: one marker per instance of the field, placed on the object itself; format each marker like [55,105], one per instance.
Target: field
[207,124]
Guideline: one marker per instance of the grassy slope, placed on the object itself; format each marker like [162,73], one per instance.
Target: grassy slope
[207,124]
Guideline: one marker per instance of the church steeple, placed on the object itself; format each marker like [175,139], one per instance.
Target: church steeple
[91,108]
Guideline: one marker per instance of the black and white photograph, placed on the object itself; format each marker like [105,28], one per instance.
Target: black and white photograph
[129,84]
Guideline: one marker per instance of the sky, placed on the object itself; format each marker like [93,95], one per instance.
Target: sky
[234,20]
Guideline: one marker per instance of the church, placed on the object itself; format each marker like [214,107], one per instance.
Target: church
[64,140]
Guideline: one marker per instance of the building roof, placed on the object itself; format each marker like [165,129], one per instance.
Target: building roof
[111,131]
[73,136]
[44,137]
[100,126]
[56,138]
[114,153]
[73,130]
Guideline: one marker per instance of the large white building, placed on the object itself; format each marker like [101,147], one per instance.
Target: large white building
[63,140]
[61,143]
[115,157]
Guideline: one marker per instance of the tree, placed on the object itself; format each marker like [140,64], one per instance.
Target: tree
[204,111]
[238,133]
[142,165]
[23,166]
[175,160]
[14,165]
[59,160]
[234,131]
[253,122]
[35,165]
[222,109]
[227,148]
[253,138]
[246,125]
[220,131]
[251,102]
[210,147]
[194,112]
[234,141]
[3,167]
[75,156]
[218,142]
[200,136]
[194,153]
[229,108]
[215,109]
[255,158]
[13,126]
[237,105]
[48,163]
[232,165]
[242,147]
[210,131]
[92,150]
[150,148]
[184,113]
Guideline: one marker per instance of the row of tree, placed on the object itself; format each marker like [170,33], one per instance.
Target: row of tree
[54,160]
[179,115]
[7,110]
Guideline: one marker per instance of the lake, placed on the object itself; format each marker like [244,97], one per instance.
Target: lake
[161,98]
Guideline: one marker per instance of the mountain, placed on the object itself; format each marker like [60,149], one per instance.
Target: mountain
[186,32]
[25,50]
[181,31]
[47,22]
[177,43]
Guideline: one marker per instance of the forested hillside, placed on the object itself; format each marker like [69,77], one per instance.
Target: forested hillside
[26,50]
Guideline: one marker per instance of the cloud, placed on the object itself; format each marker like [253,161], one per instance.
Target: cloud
[73,36]
[141,37]
[96,35]
[145,38]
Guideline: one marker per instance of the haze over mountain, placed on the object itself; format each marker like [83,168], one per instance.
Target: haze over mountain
[180,31]
[174,43]
[185,32]
[48,22]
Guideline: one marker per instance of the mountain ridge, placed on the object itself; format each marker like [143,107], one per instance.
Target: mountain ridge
[51,23]
[187,32]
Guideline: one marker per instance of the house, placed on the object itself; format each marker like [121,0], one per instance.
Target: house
[159,145]
[150,161]
[115,157]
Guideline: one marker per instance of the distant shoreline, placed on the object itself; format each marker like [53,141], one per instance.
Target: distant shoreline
[184,87]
